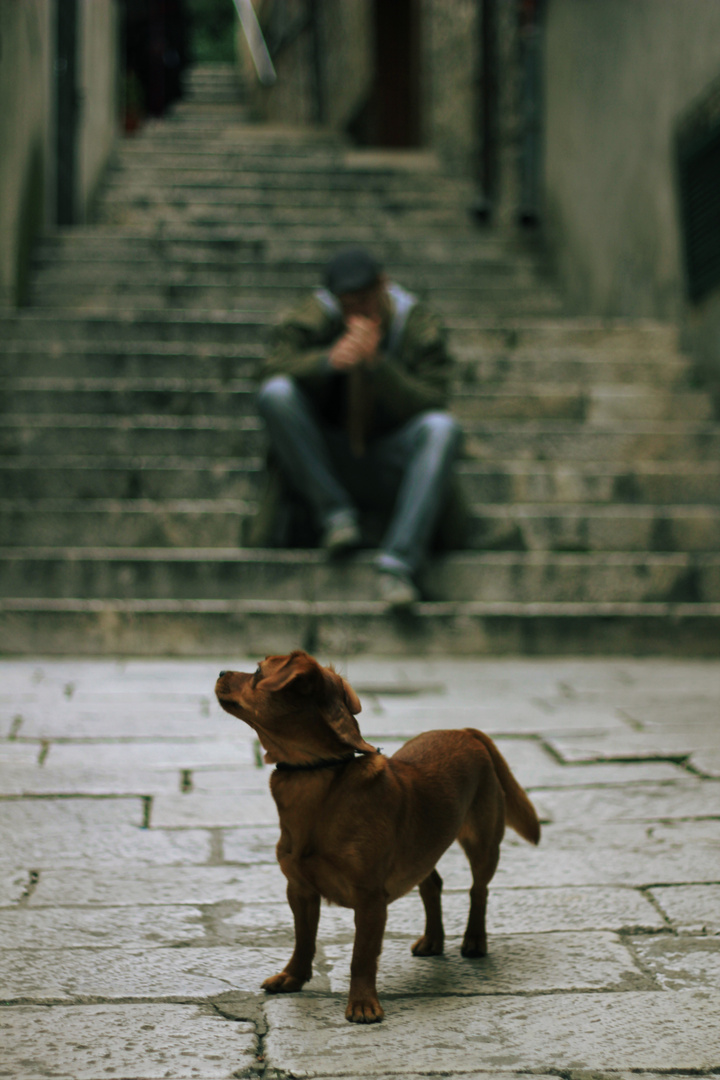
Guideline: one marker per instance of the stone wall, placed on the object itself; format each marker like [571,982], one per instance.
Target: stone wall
[99,76]
[347,67]
[27,172]
[450,45]
[25,35]
[618,74]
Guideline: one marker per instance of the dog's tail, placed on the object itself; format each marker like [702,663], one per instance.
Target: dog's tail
[519,811]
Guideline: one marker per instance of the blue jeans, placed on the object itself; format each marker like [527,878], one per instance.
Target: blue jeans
[405,472]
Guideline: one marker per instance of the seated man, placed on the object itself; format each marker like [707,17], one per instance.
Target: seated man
[355,411]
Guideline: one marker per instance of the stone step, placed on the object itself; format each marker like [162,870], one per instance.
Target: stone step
[389,217]
[221,438]
[233,243]
[481,366]
[212,397]
[51,268]
[249,180]
[210,75]
[130,325]
[315,239]
[71,627]
[213,91]
[189,144]
[192,142]
[247,186]
[242,574]
[498,527]
[93,476]
[209,92]
[211,327]
[497,299]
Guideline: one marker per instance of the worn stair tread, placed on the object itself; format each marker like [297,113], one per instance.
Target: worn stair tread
[236,573]
[563,527]
[522,428]
[95,475]
[345,607]
[195,629]
[213,397]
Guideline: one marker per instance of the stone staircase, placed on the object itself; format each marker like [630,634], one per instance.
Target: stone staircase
[131,452]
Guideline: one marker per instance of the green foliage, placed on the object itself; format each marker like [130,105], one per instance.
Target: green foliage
[211,25]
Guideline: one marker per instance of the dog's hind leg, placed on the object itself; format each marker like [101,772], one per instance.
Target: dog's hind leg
[306,913]
[480,840]
[431,943]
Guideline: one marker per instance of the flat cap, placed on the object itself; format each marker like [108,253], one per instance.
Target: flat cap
[351,270]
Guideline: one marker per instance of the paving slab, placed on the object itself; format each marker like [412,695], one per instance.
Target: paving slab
[110,886]
[691,907]
[46,833]
[510,911]
[17,754]
[515,964]
[536,768]
[120,927]
[620,853]
[636,745]
[212,781]
[120,720]
[680,963]
[151,755]
[147,1042]
[635,802]
[251,844]
[706,762]
[309,1036]
[13,886]
[681,707]
[108,974]
[390,716]
[207,811]
[47,780]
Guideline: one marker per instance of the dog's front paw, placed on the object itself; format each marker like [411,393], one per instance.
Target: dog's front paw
[283,984]
[473,947]
[427,946]
[366,1010]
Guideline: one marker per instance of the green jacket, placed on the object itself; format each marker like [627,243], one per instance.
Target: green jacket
[413,375]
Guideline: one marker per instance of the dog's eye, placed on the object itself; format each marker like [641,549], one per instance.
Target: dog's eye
[256,676]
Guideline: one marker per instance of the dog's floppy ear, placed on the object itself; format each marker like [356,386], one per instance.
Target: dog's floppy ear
[343,721]
[298,670]
[345,727]
[351,699]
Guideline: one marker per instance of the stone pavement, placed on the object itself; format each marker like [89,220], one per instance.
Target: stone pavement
[141,905]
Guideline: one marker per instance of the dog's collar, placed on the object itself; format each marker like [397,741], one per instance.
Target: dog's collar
[323,763]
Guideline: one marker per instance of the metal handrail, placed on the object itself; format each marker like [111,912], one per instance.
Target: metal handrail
[256,42]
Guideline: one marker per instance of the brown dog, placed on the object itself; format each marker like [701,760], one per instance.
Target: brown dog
[360,829]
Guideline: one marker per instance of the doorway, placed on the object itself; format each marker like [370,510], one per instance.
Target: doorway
[397,73]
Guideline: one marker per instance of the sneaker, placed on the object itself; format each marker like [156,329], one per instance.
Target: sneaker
[397,590]
[341,537]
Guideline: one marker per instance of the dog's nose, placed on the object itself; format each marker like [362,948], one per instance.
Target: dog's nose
[221,674]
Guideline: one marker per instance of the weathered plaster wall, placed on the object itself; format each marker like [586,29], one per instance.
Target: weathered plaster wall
[27,173]
[348,72]
[99,77]
[450,44]
[347,64]
[618,73]
[24,106]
